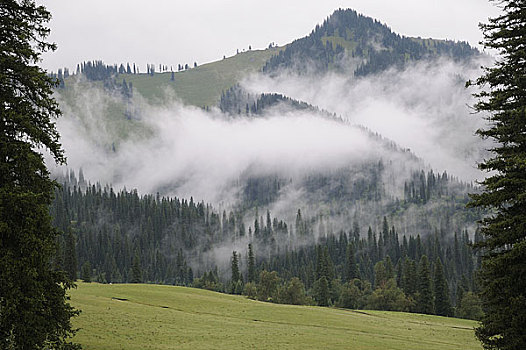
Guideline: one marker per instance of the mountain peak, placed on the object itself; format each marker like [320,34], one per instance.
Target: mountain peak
[348,34]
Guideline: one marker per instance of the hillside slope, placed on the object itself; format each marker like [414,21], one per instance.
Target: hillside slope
[200,86]
[124,316]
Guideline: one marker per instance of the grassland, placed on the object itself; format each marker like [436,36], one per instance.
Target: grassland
[124,316]
[201,86]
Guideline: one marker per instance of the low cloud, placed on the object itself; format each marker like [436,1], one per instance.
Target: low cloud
[424,108]
[186,151]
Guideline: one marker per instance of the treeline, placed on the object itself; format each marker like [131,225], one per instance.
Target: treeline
[364,38]
[60,76]
[99,71]
[114,231]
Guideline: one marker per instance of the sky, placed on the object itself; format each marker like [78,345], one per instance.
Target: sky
[174,32]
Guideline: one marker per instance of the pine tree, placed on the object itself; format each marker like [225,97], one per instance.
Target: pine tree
[236,276]
[503,98]
[34,313]
[251,264]
[424,297]
[409,279]
[441,291]
[351,270]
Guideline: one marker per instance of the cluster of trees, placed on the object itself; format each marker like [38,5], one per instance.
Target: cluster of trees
[150,68]
[97,70]
[422,187]
[60,76]
[119,232]
[353,272]
[367,39]
[237,101]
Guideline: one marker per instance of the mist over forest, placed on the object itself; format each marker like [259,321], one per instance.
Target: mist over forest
[353,139]
[369,179]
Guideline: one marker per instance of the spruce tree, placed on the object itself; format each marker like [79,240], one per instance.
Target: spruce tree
[503,100]
[441,291]
[251,264]
[351,270]
[424,296]
[136,269]
[34,312]
[409,279]
[236,276]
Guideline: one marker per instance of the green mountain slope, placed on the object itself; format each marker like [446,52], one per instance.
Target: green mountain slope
[124,316]
[200,86]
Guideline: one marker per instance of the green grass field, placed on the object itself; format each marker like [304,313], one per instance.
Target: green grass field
[201,86]
[125,316]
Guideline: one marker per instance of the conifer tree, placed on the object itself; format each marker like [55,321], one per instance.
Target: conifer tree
[251,264]
[441,291]
[34,313]
[389,270]
[399,273]
[70,256]
[236,276]
[409,279]
[424,297]
[503,99]
[136,269]
[351,270]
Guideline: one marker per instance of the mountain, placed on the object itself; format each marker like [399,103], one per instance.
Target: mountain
[348,35]
[343,36]
[336,194]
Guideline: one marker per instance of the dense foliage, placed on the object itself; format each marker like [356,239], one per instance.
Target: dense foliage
[34,313]
[502,277]
[124,237]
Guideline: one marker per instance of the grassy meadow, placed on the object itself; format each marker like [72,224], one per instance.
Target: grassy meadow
[126,316]
[201,86]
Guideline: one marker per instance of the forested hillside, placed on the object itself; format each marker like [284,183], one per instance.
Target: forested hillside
[119,236]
